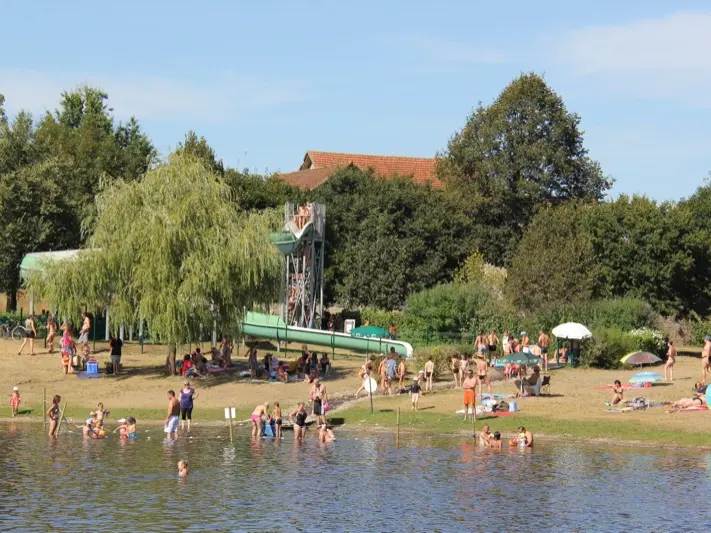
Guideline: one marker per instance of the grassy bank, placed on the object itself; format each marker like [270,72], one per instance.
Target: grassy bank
[575,409]
[620,431]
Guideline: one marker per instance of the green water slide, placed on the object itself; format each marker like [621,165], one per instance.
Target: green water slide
[287,241]
[265,326]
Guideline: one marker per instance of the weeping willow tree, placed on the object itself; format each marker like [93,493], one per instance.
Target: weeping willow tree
[172,249]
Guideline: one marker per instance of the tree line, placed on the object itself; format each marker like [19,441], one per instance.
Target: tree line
[522,198]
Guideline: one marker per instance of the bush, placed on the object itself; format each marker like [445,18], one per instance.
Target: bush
[700,330]
[608,345]
[441,357]
[648,340]
[624,313]
[606,348]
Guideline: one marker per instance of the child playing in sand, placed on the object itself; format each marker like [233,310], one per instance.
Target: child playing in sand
[15,400]
[618,392]
[276,416]
[415,393]
[182,468]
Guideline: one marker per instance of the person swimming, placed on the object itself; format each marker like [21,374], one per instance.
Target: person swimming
[183,468]
[325,434]
[495,443]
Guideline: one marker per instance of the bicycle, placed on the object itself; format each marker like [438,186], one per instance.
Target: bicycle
[15,332]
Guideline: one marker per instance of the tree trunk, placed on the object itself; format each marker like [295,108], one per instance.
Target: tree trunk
[170,360]
[12,300]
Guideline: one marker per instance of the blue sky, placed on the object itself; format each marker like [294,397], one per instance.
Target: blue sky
[266,81]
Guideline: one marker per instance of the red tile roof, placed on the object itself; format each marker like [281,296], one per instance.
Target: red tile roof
[318,166]
[307,179]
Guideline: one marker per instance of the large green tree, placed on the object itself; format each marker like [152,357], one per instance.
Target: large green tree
[34,209]
[387,238]
[94,149]
[520,153]
[554,261]
[172,249]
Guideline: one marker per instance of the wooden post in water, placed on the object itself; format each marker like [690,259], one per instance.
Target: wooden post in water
[44,408]
[398,428]
[229,415]
[59,422]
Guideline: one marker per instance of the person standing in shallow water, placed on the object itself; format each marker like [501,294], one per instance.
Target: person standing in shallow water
[53,415]
[187,395]
[172,418]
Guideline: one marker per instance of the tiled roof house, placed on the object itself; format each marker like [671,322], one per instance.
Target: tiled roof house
[319,166]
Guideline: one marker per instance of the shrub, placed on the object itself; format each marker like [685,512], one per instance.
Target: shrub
[624,313]
[441,357]
[700,330]
[606,348]
[648,340]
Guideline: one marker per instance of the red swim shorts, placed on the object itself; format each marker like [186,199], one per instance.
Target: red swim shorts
[469,397]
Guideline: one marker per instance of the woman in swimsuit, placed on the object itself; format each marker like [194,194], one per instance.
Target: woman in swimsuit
[671,359]
[364,375]
[298,417]
[455,366]
[697,400]
[252,362]
[187,396]
[51,332]
[260,411]
[53,415]
[618,392]
[276,416]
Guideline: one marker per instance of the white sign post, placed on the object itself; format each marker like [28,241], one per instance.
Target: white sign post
[230,414]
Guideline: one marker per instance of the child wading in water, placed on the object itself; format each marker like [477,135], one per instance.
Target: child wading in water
[276,416]
[53,414]
[15,400]
[183,468]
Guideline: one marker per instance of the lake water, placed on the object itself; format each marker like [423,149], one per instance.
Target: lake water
[359,483]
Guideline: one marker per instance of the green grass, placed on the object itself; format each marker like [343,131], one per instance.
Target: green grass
[438,423]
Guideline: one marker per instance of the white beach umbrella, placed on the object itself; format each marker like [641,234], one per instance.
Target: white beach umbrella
[572,330]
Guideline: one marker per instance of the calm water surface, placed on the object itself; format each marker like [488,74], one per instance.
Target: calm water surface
[356,484]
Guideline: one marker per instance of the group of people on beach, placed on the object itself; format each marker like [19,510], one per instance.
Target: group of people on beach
[68,347]
[270,423]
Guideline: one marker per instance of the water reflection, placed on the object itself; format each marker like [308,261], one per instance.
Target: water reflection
[362,483]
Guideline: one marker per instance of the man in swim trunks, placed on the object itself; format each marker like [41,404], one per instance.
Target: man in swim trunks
[493,342]
[172,418]
[469,385]
[544,342]
[319,397]
[429,374]
[485,436]
[84,333]
[482,377]
[705,357]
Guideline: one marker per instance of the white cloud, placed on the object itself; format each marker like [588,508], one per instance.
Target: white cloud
[219,99]
[663,58]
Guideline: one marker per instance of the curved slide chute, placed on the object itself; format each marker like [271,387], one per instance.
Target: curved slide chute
[273,327]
